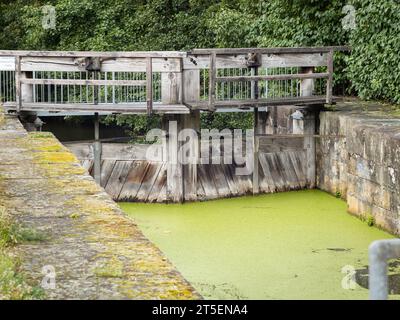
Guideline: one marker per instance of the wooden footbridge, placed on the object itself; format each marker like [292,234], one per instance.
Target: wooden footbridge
[178,85]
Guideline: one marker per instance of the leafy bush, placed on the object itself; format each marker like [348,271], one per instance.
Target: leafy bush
[374,65]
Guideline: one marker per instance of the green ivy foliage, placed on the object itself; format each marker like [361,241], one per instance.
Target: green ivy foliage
[374,65]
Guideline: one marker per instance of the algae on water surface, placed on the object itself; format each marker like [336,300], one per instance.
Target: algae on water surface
[293,245]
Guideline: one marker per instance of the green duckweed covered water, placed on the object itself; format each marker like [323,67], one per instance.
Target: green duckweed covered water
[289,245]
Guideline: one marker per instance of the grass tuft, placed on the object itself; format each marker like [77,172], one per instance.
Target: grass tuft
[12,284]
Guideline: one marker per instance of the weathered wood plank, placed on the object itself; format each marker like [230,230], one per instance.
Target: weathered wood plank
[191,85]
[216,174]
[322,75]
[148,181]
[329,84]
[18,95]
[268,184]
[117,108]
[112,64]
[111,151]
[207,182]
[201,194]
[159,184]
[256,151]
[191,121]
[106,168]
[276,50]
[133,181]
[294,60]
[104,54]
[212,74]
[297,163]
[171,88]
[7,63]
[262,102]
[149,86]
[117,178]
[84,82]
[87,164]
[230,180]
[194,62]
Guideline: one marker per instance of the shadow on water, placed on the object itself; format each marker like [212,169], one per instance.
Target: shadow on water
[393,277]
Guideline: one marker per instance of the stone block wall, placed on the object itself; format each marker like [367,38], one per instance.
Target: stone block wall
[362,163]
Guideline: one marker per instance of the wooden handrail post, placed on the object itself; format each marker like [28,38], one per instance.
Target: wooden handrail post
[97,150]
[329,83]
[149,85]
[256,139]
[212,75]
[18,96]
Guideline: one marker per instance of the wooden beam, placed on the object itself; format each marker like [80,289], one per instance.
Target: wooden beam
[191,85]
[273,77]
[212,76]
[279,50]
[114,108]
[190,174]
[195,62]
[171,88]
[261,102]
[97,149]
[104,54]
[18,96]
[7,63]
[85,82]
[111,64]
[329,84]
[149,86]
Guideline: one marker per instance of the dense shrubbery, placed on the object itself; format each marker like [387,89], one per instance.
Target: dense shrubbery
[373,68]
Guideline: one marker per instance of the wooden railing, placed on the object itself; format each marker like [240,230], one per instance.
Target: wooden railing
[166,82]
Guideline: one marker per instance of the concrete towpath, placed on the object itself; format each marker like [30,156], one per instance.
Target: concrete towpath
[95,251]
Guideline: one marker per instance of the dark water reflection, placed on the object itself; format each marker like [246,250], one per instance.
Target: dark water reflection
[393,277]
[80,130]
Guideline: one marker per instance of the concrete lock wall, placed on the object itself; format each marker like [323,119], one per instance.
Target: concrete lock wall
[362,165]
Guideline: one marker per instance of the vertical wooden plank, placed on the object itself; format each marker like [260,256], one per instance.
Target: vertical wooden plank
[26,90]
[174,166]
[256,147]
[307,85]
[274,119]
[97,149]
[191,121]
[268,184]
[107,167]
[18,82]
[207,181]
[149,180]
[212,75]
[149,85]
[171,87]
[329,84]
[216,173]
[309,146]
[191,86]
[158,185]
[134,180]
[117,178]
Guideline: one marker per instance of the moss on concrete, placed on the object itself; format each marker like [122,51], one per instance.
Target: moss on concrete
[96,250]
